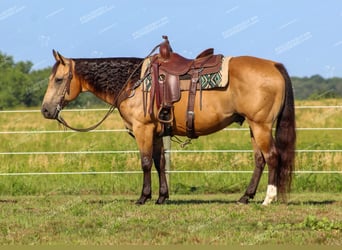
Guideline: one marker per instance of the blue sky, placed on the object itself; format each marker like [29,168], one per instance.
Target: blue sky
[304,35]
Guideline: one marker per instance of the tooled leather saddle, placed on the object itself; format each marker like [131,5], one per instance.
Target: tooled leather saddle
[167,69]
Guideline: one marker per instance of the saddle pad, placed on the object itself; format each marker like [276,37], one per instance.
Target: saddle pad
[208,81]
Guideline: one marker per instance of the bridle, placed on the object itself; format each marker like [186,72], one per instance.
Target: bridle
[122,95]
[65,90]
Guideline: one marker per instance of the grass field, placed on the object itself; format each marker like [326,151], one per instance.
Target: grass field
[98,208]
[309,219]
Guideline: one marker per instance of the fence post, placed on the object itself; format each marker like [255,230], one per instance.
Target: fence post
[167,148]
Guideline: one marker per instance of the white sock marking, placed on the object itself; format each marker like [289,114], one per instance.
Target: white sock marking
[271,194]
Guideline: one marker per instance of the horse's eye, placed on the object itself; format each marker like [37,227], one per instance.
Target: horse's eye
[58,80]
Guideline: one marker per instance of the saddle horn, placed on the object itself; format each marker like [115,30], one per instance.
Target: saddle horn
[165,49]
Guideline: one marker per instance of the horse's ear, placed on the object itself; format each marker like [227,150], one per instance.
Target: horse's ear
[55,54]
[61,58]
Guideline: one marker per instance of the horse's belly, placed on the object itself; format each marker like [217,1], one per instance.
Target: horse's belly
[200,129]
[209,119]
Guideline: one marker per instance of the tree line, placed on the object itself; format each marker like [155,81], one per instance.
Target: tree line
[20,86]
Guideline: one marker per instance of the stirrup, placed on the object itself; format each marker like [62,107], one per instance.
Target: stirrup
[165,115]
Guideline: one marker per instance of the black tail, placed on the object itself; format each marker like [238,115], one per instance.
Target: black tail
[285,136]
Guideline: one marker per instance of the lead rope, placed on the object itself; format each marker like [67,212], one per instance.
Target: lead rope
[114,105]
[65,124]
[181,143]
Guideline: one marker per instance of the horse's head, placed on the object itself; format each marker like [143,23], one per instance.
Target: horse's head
[62,87]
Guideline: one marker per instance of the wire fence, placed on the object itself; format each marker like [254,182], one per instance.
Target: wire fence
[125,130]
[167,151]
[105,109]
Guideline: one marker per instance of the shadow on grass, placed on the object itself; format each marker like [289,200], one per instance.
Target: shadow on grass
[109,201]
[194,201]
[295,203]
[312,203]
[167,202]
[8,201]
[199,201]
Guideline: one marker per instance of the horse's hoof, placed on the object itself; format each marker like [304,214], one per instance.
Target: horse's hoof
[142,200]
[244,200]
[139,202]
[161,200]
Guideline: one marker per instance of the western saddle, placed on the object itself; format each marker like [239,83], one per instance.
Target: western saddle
[167,68]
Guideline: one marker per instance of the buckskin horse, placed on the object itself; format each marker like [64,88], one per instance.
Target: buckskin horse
[259,92]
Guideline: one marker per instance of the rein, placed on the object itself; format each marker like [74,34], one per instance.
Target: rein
[118,99]
[65,124]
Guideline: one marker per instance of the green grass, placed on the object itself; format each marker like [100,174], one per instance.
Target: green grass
[196,219]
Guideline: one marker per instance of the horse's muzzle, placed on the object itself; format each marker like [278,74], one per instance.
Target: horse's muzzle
[50,111]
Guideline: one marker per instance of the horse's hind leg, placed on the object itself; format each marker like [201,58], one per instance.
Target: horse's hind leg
[263,141]
[259,167]
[159,163]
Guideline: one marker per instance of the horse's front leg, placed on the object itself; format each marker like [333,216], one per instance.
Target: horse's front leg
[144,140]
[146,193]
[159,163]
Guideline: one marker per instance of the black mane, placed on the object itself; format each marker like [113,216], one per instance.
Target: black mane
[108,75]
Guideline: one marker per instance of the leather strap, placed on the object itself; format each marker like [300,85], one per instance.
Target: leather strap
[190,115]
[154,88]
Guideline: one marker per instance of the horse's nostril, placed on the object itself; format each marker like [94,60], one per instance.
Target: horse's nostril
[45,112]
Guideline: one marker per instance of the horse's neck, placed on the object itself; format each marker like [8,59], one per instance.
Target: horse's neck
[105,77]
[103,95]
